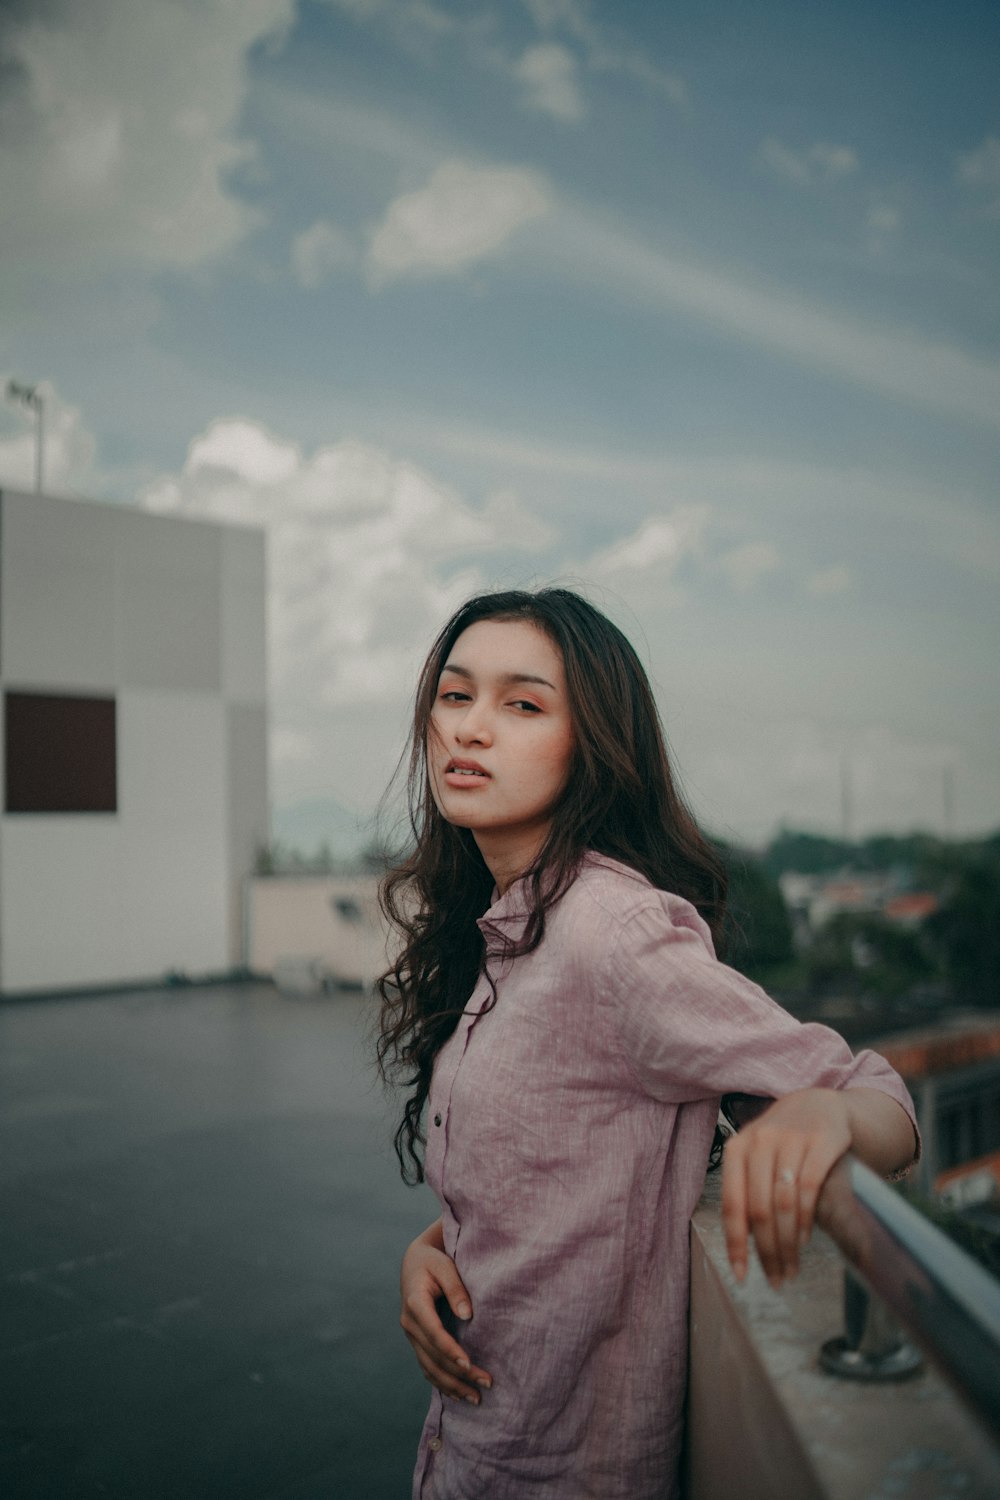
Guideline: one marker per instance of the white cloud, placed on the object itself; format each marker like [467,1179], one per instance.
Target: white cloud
[745,566]
[804,166]
[320,251]
[980,171]
[794,769]
[663,80]
[830,581]
[600,51]
[462,216]
[659,544]
[784,162]
[406,17]
[834,161]
[898,363]
[648,563]
[508,517]
[368,553]
[126,129]
[243,451]
[571,14]
[580,242]
[548,74]
[69,450]
[362,559]
[882,219]
[386,146]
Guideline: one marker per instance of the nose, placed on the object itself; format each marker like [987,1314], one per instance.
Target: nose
[473,727]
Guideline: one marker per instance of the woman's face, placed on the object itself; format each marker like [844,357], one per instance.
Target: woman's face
[500,740]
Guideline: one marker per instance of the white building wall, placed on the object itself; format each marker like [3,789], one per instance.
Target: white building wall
[57,594]
[168,617]
[329,925]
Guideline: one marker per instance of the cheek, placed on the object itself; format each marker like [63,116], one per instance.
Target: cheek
[434,739]
[432,747]
[560,759]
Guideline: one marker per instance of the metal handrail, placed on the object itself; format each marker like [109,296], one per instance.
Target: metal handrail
[945,1301]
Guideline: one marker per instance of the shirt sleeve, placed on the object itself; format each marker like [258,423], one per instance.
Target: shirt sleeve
[692,1028]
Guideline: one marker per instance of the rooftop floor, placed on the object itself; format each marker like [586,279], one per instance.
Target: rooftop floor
[202,1225]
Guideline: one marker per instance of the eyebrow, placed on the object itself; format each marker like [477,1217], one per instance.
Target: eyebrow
[507,678]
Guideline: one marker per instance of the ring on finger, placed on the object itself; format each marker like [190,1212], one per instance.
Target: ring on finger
[787,1176]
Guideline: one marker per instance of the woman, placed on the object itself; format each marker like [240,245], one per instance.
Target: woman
[568,1033]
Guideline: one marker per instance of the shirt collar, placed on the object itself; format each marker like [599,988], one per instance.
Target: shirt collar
[503,923]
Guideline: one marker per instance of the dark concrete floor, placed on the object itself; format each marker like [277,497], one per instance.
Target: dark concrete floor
[200,1231]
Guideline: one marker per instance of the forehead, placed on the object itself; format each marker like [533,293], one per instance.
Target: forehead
[507,646]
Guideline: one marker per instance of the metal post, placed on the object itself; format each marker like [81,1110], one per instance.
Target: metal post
[39,441]
[872,1346]
[31,397]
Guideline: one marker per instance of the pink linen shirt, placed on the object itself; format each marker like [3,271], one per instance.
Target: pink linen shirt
[568,1135]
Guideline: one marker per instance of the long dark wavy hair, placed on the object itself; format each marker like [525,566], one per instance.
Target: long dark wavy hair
[620,799]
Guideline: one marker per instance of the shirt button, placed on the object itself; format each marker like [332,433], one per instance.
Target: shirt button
[435,1445]
[437,1119]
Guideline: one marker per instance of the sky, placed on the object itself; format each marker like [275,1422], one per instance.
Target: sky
[692,306]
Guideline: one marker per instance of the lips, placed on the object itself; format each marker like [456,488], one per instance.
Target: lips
[468,769]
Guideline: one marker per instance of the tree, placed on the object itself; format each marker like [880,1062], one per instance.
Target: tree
[808,853]
[758,930]
[966,933]
[863,953]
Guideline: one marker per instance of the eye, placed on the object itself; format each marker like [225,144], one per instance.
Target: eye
[527,705]
[454,695]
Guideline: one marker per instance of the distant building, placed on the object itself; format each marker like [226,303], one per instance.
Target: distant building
[311,932]
[814,900]
[952,1070]
[912,907]
[134,719]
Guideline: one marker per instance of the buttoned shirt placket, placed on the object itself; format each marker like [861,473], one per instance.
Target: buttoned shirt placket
[436,1163]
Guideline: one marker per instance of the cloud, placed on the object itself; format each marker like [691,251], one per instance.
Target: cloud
[882,221]
[243,451]
[384,146]
[600,50]
[659,544]
[795,768]
[979,171]
[745,566]
[367,553]
[834,161]
[821,161]
[883,218]
[571,14]
[548,73]
[507,516]
[121,129]
[464,215]
[830,581]
[896,362]
[943,524]
[407,18]
[320,251]
[69,450]
[650,563]
[662,80]
[580,242]
[784,162]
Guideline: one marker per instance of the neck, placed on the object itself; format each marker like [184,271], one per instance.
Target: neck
[507,857]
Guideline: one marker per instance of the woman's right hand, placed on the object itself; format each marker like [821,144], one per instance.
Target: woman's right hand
[427,1274]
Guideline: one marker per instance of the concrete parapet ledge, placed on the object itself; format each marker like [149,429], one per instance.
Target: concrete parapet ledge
[766,1422]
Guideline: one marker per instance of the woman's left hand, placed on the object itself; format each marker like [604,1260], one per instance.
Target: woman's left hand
[772,1173]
